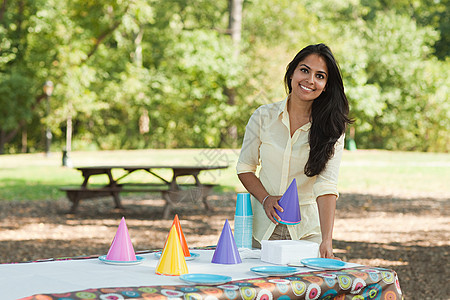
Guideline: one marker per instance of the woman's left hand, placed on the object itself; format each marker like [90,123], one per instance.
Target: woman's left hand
[327,207]
[326,250]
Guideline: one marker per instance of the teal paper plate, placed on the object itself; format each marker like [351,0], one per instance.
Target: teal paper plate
[193,255]
[324,263]
[138,260]
[274,270]
[207,279]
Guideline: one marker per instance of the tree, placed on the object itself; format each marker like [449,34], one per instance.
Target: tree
[172,64]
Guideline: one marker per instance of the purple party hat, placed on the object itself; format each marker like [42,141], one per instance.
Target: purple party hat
[226,250]
[291,207]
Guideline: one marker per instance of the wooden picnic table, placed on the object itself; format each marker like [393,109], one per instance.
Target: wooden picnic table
[172,191]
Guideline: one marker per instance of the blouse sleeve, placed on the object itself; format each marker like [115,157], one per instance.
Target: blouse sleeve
[326,182]
[249,157]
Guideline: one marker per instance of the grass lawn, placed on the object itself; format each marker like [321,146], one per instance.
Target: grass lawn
[37,177]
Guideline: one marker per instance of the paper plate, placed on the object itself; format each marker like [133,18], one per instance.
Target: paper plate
[323,263]
[205,278]
[274,270]
[122,263]
[297,264]
[193,255]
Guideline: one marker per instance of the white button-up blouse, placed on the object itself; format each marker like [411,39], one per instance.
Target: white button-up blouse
[267,143]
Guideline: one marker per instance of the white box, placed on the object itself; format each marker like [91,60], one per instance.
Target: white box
[283,252]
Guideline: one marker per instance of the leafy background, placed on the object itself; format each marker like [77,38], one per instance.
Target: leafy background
[136,74]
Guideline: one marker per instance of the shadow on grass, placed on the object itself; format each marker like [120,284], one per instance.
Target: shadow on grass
[422,271]
[357,203]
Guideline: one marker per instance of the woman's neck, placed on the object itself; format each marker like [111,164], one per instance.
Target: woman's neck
[299,114]
[300,110]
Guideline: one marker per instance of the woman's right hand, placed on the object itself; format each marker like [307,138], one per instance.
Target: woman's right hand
[270,205]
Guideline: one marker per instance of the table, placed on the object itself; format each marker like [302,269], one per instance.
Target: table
[171,190]
[89,278]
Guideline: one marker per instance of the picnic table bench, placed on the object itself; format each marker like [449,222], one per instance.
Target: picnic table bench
[172,192]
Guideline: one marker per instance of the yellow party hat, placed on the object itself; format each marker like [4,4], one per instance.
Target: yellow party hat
[172,261]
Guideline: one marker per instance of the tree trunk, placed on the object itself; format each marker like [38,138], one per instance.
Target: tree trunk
[138,50]
[2,141]
[234,29]
[5,137]
[235,23]
[24,140]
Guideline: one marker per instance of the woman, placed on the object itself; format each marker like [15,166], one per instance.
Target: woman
[301,137]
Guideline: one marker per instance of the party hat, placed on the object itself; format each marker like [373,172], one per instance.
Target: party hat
[121,247]
[184,245]
[289,203]
[226,250]
[172,261]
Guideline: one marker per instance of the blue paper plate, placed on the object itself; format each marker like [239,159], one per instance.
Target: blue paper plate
[274,270]
[207,279]
[138,260]
[323,263]
[193,255]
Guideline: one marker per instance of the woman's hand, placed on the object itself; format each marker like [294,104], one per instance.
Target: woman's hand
[327,206]
[326,249]
[270,205]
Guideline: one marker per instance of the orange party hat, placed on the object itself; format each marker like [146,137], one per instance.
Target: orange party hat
[172,261]
[184,245]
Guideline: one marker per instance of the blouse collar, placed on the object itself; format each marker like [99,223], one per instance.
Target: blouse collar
[283,113]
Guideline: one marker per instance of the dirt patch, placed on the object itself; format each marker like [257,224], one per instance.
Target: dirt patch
[408,235]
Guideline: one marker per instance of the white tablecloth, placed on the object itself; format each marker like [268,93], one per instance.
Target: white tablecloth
[26,279]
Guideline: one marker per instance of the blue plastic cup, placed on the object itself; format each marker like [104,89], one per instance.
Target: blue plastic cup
[243,227]
[243,205]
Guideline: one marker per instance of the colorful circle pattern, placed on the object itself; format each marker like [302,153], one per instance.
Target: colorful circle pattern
[248,293]
[230,294]
[357,286]
[372,292]
[298,287]
[193,296]
[330,282]
[355,283]
[111,296]
[313,292]
[264,295]
[345,282]
[388,277]
[328,295]
[390,295]
[283,288]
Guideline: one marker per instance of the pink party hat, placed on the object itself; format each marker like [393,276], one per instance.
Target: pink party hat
[226,250]
[291,207]
[121,247]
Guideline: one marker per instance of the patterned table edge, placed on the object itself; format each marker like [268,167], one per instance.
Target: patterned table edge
[352,283]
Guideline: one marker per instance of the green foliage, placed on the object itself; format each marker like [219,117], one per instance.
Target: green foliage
[397,73]
[146,73]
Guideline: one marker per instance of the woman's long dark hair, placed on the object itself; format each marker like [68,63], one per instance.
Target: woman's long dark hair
[329,113]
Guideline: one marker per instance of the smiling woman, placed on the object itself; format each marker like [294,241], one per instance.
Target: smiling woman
[308,80]
[300,138]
